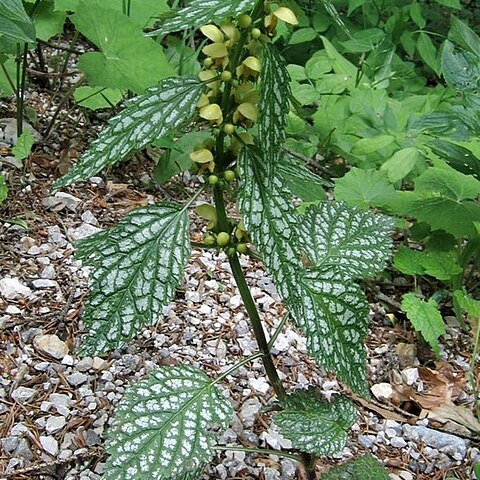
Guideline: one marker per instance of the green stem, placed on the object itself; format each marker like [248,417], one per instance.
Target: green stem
[243,362]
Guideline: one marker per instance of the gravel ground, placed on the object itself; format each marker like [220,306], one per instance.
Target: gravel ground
[55,407]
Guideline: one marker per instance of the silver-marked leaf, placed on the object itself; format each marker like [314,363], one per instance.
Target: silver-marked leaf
[273,104]
[335,313]
[145,119]
[165,426]
[348,238]
[202,12]
[363,468]
[314,425]
[269,216]
[137,265]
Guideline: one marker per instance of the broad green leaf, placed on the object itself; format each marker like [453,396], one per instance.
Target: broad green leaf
[9,64]
[458,156]
[354,242]
[203,12]
[314,425]
[339,63]
[23,147]
[460,68]
[354,4]
[47,21]
[364,188]
[96,98]
[302,35]
[304,93]
[301,181]
[3,188]
[408,261]
[145,119]
[118,64]
[441,265]
[425,318]
[450,3]
[427,51]
[368,145]
[138,263]
[464,36]
[176,159]
[317,66]
[165,426]
[273,104]
[15,24]
[363,468]
[417,15]
[401,163]
[467,303]
[142,12]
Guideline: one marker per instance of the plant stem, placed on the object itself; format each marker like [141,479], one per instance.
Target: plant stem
[261,451]
[257,326]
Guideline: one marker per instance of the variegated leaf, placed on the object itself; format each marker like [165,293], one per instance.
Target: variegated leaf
[269,216]
[145,119]
[314,425]
[165,426]
[137,265]
[201,12]
[363,468]
[347,238]
[273,104]
[335,313]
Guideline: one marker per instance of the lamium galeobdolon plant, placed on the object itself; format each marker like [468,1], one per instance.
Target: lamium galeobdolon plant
[167,425]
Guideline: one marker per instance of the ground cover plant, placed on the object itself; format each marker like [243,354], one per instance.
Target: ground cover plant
[246,107]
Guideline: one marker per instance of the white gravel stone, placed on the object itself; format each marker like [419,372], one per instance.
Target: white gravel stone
[410,375]
[69,201]
[83,231]
[23,394]
[49,444]
[88,217]
[248,411]
[99,363]
[12,288]
[13,310]
[398,442]
[259,384]
[51,345]
[76,379]
[382,391]
[55,424]
[48,272]
[235,302]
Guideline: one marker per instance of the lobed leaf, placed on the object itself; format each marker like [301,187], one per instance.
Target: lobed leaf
[273,104]
[164,426]
[137,265]
[314,425]
[363,468]
[203,12]
[145,119]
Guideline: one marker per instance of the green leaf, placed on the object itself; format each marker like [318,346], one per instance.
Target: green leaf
[364,188]
[145,119]
[176,160]
[417,15]
[118,64]
[15,24]
[354,4]
[47,21]
[441,265]
[3,188]
[302,35]
[460,68]
[450,3]
[363,468]
[96,98]
[365,146]
[408,261]
[314,425]
[301,181]
[460,157]
[304,93]
[354,242]
[339,63]
[202,12]
[425,318]
[137,265]
[467,303]
[317,66]
[164,426]
[273,104]
[464,36]
[401,163]
[10,66]
[427,51]
[24,144]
